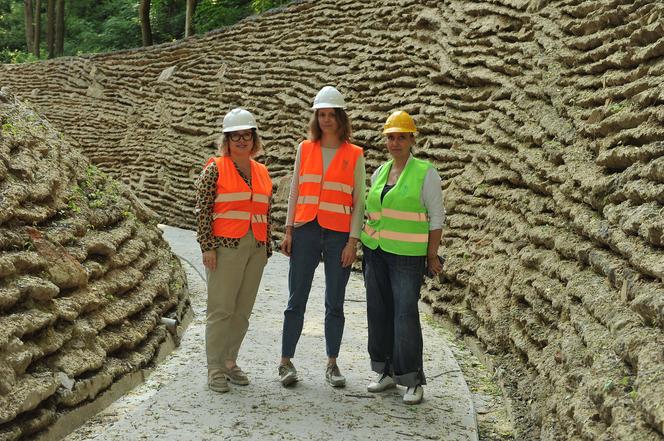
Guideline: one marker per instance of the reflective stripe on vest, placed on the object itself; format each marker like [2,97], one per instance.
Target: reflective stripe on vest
[231,197]
[328,198]
[399,214]
[307,200]
[335,208]
[338,186]
[394,235]
[259,218]
[399,223]
[310,178]
[238,207]
[242,215]
[261,198]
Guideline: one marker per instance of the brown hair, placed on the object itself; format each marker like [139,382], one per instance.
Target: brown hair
[223,144]
[345,129]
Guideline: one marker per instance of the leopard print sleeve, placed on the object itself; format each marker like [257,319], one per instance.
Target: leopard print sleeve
[206,191]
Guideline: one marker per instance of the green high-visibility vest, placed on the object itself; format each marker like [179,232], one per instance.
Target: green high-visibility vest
[399,224]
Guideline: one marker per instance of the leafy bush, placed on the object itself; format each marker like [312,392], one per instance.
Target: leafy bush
[214,14]
[263,5]
[16,56]
[93,26]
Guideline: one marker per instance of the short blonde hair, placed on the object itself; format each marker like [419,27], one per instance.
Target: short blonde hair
[224,148]
[345,129]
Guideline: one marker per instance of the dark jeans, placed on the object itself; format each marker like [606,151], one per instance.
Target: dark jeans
[395,337]
[309,242]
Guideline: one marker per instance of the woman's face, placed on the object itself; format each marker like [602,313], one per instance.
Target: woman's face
[241,142]
[327,120]
[399,144]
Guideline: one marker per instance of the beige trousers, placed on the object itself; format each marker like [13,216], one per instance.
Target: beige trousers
[232,289]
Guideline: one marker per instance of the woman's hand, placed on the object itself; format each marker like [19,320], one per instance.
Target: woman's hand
[349,253]
[287,242]
[210,259]
[434,265]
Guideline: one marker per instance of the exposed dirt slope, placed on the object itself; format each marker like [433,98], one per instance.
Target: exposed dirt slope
[544,119]
[85,276]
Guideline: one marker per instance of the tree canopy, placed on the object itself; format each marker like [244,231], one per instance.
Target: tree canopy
[93,26]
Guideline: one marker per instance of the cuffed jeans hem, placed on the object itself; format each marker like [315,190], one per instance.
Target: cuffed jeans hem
[410,379]
[378,367]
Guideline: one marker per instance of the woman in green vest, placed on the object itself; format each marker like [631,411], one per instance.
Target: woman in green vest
[400,239]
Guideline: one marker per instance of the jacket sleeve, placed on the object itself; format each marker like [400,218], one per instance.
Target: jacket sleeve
[206,192]
[432,199]
[294,189]
[359,195]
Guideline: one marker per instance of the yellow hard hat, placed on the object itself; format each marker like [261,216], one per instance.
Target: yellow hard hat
[399,122]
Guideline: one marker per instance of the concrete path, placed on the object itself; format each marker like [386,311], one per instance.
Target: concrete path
[175,403]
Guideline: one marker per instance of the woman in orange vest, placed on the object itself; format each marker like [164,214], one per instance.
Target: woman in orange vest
[325,213]
[233,209]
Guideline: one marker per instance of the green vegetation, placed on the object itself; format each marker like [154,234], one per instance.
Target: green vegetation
[73,206]
[96,190]
[100,191]
[94,26]
[609,385]
[28,244]
[9,129]
[128,214]
[618,107]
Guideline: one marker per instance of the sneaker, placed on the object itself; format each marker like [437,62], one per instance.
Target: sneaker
[287,374]
[217,380]
[334,377]
[413,395]
[236,376]
[382,383]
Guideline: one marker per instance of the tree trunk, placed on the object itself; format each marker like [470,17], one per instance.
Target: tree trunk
[59,27]
[50,28]
[144,16]
[37,36]
[29,28]
[189,19]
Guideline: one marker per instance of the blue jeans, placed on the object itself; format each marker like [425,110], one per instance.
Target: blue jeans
[309,242]
[395,336]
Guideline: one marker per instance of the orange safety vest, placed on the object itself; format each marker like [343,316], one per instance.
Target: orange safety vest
[237,205]
[331,201]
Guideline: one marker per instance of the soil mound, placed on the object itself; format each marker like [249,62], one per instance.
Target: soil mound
[85,276]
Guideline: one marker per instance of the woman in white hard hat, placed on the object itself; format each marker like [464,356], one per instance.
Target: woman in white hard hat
[400,239]
[325,214]
[233,209]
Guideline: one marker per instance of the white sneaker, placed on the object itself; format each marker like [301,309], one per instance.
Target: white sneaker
[334,377]
[383,382]
[413,395]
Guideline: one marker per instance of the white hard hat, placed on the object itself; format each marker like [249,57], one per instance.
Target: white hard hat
[238,119]
[329,97]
